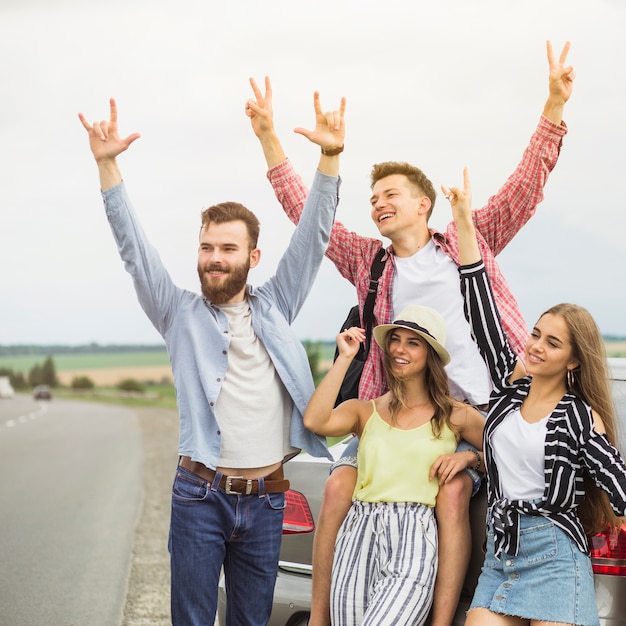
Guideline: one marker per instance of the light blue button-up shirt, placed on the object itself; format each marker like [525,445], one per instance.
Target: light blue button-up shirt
[197,333]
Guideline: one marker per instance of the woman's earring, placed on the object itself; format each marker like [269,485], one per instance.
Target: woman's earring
[570,379]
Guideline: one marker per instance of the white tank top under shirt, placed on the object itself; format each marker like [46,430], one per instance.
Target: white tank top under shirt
[519,449]
[431,278]
[253,408]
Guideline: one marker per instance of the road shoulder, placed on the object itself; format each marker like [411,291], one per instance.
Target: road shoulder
[148,595]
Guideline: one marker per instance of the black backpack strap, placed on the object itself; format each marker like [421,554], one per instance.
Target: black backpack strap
[368,307]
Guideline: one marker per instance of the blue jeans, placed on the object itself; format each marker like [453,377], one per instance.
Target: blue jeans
[549,580]
[210,528]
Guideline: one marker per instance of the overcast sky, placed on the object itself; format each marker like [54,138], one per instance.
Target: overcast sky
[440,84]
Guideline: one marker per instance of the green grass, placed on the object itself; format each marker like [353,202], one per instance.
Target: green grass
[161,396]
[86,361]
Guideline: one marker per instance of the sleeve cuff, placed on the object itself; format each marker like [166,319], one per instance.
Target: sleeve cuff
[548,128]
[472,268]
[281,173]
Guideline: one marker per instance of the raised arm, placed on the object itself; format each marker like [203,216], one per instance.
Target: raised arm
[156,292]
[480,307]
[106,145]
[261,113]
[328,134]
[299,265]
[516,201]
[351,253]
[320,416]
[288,186]
[329,131]
[560,83]
[461,204]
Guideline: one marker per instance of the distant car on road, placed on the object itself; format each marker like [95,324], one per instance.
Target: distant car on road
[42,392]
[6,390]
[292,595]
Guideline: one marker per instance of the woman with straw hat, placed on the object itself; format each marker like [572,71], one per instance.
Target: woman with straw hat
[386,552]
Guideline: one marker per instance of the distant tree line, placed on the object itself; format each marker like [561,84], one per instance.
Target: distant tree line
[90,348]
[39,374]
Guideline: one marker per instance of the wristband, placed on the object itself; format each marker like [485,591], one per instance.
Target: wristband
[477,466]
[332,151]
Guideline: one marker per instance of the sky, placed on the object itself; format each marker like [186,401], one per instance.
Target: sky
[442,84]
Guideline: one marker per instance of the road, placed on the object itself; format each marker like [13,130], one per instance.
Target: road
[70,493]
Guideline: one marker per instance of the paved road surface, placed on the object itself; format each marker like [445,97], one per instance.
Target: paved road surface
[69,501]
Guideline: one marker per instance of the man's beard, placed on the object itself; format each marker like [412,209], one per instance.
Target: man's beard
[229,286]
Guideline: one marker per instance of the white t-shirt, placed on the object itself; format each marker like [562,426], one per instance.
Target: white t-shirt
[253,408]
[519,449]
[431,278]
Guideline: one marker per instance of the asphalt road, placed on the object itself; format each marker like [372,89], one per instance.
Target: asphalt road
[70,494]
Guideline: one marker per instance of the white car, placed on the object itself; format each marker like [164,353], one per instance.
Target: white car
[6,390]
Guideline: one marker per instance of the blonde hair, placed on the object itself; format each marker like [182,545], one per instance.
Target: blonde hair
[590,382]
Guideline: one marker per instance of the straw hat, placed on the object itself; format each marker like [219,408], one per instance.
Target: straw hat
[422,320]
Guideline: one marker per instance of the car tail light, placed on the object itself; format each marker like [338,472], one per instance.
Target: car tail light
[608,551]
[297,516]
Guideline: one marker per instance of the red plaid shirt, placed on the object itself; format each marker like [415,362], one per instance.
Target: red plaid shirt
[496,224]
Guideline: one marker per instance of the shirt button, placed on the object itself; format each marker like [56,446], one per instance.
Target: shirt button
[219,380]
[211,403]
[508,563]
[219,432]
[224,352]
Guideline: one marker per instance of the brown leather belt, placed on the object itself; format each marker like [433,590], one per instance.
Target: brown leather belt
[272,483]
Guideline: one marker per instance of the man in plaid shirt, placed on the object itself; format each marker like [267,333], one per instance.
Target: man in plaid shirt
[421,267]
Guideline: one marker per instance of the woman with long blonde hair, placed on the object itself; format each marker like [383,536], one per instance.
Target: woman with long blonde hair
[553,471]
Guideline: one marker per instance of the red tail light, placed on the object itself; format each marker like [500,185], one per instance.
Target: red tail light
[297,517]
[608,551]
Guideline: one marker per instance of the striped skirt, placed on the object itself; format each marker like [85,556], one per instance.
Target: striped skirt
[385,565]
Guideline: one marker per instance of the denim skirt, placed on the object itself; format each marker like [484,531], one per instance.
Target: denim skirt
[549,580]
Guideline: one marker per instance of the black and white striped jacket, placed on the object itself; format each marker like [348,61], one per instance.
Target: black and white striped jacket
[573,447]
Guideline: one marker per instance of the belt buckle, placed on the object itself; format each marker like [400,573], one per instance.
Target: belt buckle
[229,489]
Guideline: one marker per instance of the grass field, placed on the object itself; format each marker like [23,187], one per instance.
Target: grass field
[616,348]
[162,396]
[104,369]
[87,361]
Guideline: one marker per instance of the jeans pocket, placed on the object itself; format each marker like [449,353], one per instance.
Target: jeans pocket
[275,501]
[538,543]
[188,488]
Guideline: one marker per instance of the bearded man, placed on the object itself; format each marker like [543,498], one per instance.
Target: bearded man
[242,379]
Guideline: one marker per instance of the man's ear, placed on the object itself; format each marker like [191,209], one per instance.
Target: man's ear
[424,205]
[255,257]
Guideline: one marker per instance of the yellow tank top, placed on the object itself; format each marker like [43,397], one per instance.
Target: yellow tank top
[393,464]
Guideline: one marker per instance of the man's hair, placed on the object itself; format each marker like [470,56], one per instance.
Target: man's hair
[232,212]
[414,175]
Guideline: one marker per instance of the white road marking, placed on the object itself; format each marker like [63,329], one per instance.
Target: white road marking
[33,415]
